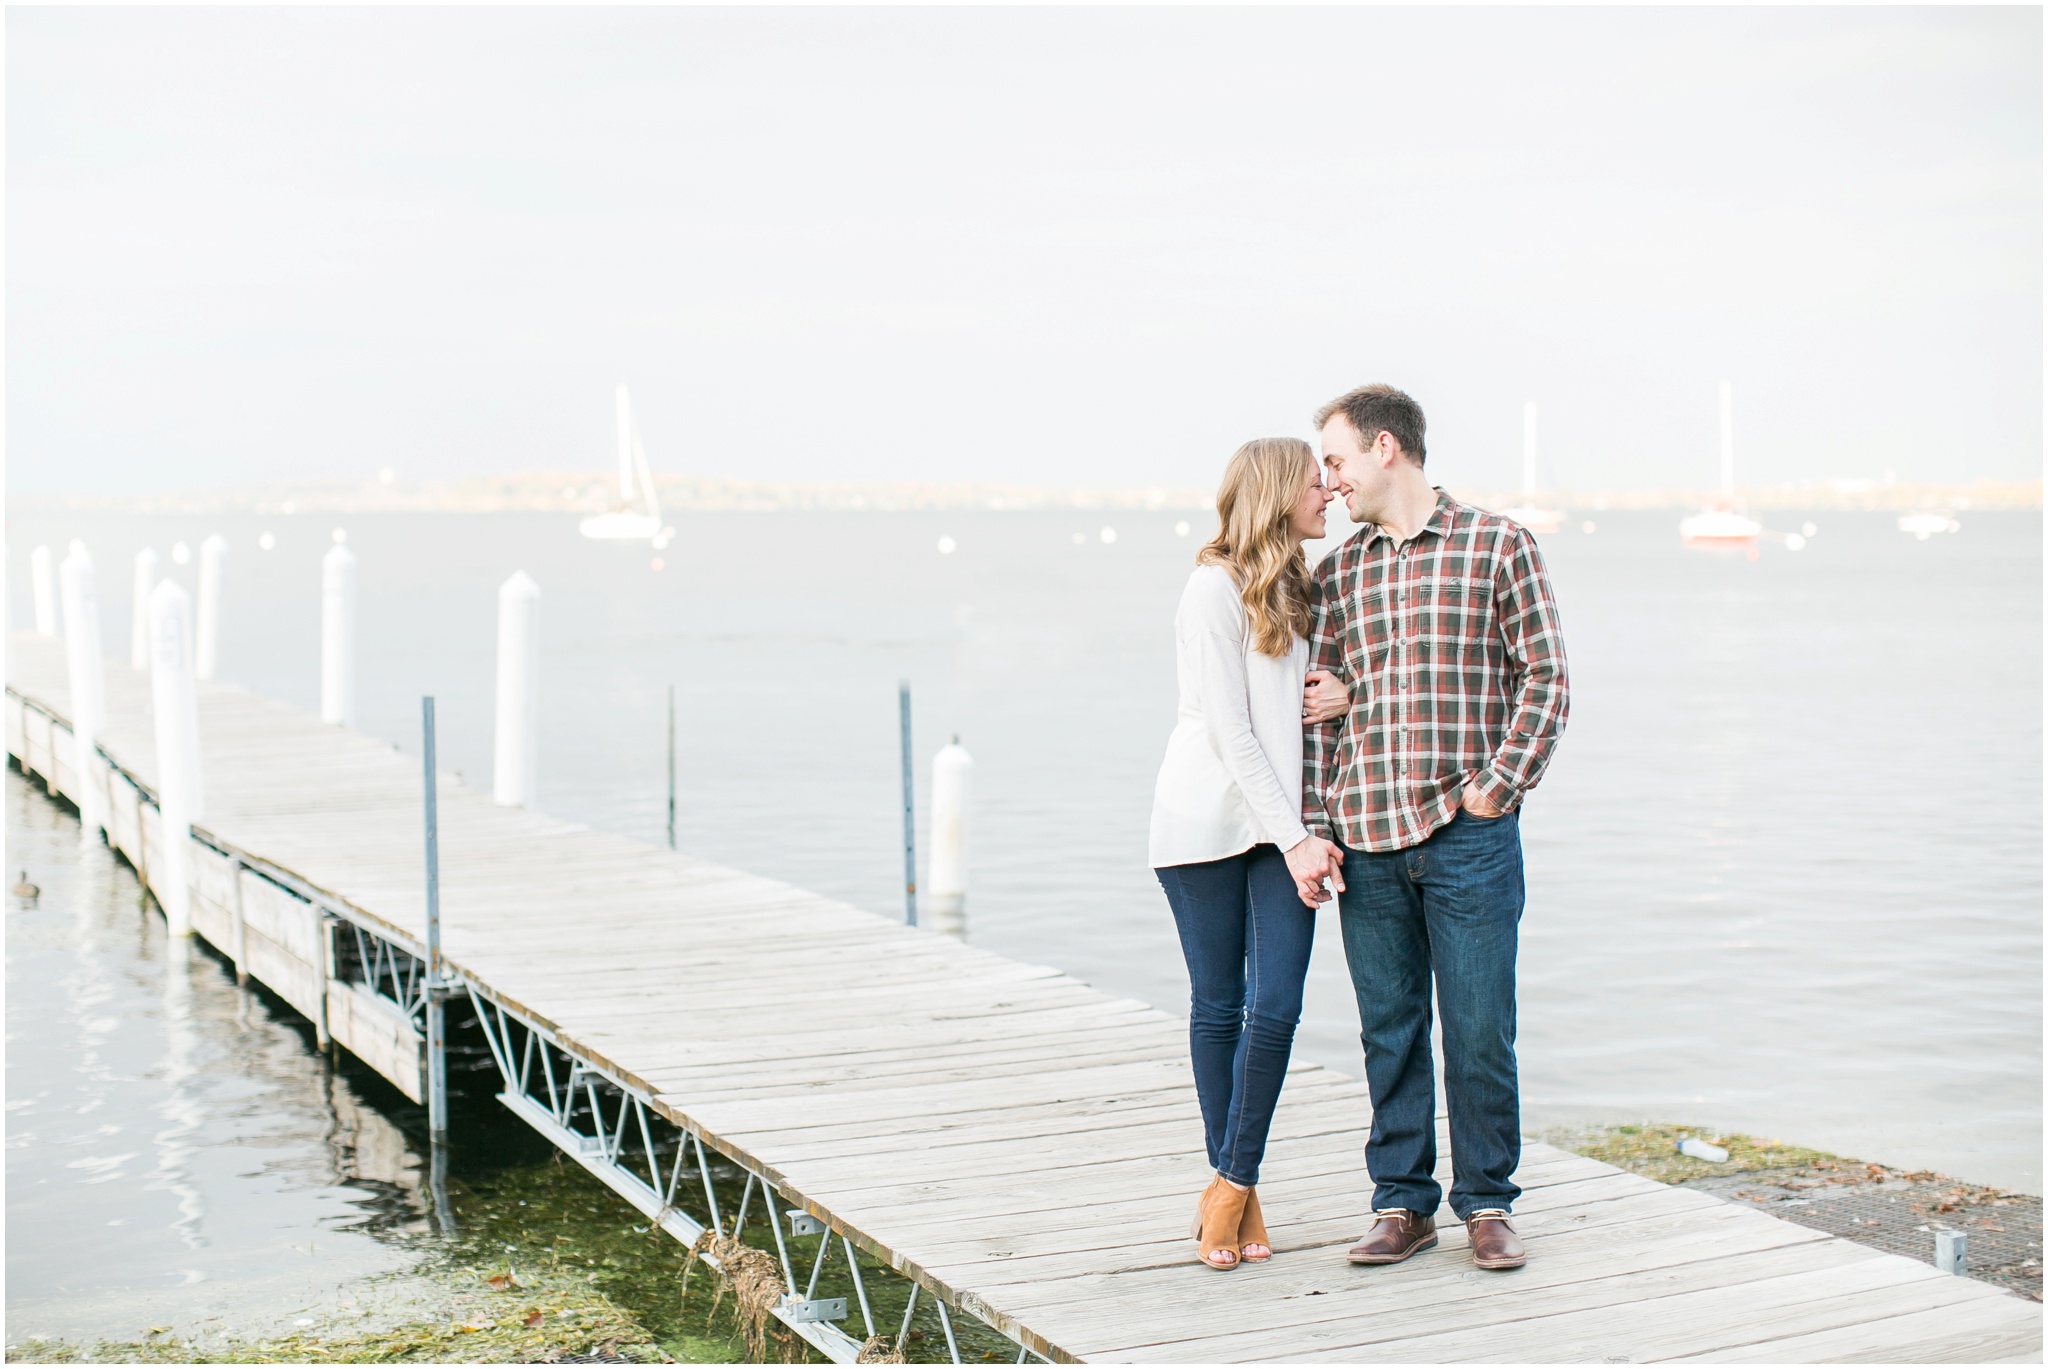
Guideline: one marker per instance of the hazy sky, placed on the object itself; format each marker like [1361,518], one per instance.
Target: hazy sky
[1062,246]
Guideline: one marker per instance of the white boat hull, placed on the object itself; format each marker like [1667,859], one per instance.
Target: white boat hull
[1538,521]
[623,527]
[1926,525]
[1719,528]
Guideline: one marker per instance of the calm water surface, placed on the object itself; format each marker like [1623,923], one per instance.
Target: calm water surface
[1785,874]
[176,1153]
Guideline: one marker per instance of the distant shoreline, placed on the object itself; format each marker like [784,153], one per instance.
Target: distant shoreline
[583,492]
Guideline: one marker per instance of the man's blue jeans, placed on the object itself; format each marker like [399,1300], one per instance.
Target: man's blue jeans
[1246,935]
[1448,908]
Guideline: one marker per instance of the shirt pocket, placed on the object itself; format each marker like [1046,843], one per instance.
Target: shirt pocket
[1459,608]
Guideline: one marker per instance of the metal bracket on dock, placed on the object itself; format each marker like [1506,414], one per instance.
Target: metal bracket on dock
[804,1224]
[812,1310]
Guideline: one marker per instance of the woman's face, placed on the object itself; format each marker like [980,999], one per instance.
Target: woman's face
[1306,520]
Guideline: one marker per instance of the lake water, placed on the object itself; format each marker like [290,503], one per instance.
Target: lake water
[1785,873]
[176,1154]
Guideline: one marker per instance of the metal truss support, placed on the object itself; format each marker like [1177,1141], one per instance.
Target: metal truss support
[613,1129]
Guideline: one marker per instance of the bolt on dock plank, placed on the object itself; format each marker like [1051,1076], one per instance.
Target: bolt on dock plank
[1023,1147]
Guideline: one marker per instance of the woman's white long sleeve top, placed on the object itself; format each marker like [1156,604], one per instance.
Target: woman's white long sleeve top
[1232,774]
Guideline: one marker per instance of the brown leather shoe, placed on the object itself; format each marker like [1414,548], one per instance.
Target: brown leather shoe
[1396,1234]
[1494,1243]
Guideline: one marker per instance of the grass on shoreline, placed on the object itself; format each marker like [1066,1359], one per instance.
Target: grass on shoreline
[510,1318]
[1651,1150]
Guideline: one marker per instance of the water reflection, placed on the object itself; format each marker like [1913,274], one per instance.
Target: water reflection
[177,1151]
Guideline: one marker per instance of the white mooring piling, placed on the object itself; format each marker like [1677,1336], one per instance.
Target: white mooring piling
[138,627]
[180,797]
[946,889]
[338,636]
[516,759]
[206,641]
[43,580]
[88,676]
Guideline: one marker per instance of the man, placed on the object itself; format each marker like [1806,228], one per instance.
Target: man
[1439,618]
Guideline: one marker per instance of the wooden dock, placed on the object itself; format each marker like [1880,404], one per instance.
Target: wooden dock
[1022,1146]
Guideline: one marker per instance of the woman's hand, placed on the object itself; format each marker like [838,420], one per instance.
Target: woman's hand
[1324,698]
[1312,860]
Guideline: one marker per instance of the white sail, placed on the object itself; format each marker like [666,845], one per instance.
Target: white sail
[627,523]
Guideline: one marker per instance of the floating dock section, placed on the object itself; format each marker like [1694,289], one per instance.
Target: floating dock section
[1024,1148]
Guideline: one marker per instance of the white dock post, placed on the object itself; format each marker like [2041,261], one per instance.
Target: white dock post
[206,649]
[946,887]
[178,795]
[1951,1251]
[88,671]
[44,583]
[338,636]
[138,630]
[517,755]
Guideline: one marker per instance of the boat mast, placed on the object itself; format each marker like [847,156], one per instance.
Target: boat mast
[625,445]
[1728,443]
[646,479]
[1529,453]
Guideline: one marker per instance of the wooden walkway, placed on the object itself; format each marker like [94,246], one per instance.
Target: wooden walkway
[1020,1144]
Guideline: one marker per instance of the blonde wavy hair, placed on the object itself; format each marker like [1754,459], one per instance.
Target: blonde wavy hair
[1265,479]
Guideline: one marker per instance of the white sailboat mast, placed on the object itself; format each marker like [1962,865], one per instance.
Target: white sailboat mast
[1529,452]
[1728,442]
[625,444]
[646,479]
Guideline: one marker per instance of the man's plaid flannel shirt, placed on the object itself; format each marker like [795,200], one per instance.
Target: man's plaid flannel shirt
[1450,645]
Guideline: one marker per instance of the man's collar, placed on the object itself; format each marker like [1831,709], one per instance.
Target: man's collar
[1438,522]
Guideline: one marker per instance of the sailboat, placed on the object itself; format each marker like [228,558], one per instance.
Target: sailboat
[1720,525]
[627,524]
[1531,516]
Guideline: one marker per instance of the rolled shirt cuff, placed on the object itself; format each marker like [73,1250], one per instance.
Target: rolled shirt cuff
[1496,790]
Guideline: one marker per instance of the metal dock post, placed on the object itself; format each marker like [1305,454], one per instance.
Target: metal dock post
[437,1037]
[909,812]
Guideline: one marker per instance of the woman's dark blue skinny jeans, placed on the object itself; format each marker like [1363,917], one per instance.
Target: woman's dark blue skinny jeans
[1246,935]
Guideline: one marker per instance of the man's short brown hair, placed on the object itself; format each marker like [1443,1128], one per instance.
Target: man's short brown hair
[1376,409]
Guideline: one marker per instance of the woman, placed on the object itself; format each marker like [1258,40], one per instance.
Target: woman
[1242,874]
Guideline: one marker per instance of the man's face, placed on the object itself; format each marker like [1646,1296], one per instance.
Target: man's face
[1354,473]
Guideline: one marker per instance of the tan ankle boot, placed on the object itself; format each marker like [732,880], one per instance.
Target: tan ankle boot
[1216,1221]
[1251,1229]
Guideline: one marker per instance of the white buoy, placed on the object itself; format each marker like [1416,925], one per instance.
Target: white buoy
[206,645]
[42,578]
[138,633]
[88,671]
[179,796]
[338,636]
[517,756]
[946,885]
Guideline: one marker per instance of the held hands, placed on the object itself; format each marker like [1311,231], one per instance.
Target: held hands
[1311,861]
[1324,698]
